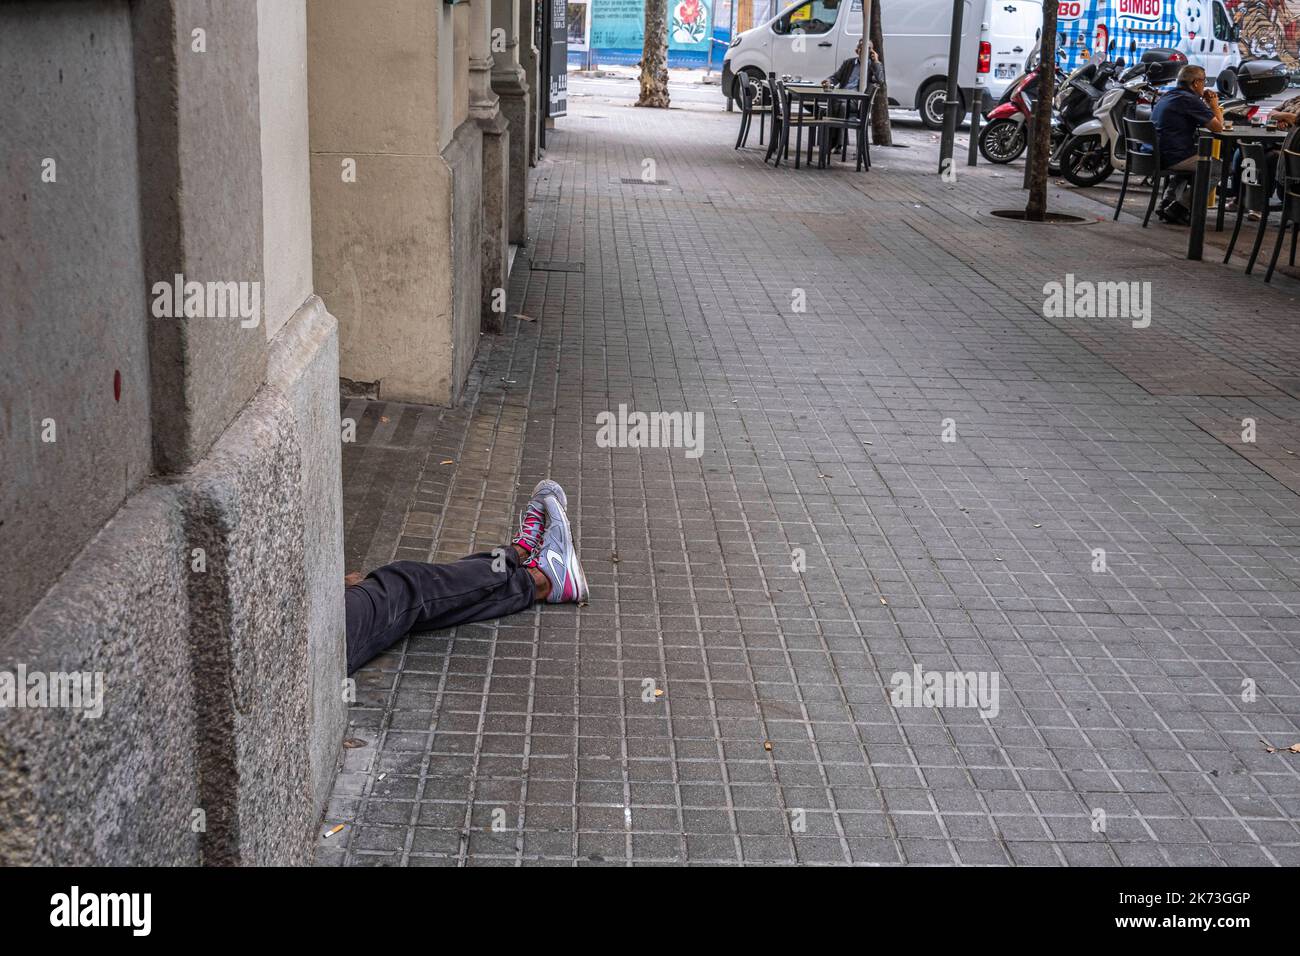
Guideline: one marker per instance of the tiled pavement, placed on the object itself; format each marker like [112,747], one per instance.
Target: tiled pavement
[533,740]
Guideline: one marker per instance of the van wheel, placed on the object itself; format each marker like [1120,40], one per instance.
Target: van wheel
[933,98]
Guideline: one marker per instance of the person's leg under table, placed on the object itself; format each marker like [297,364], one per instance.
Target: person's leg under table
[1177,187]
[412,595]
[1221,191]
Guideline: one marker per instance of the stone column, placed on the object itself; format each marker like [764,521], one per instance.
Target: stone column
[160,313]
[303,362]
[396,193]
[244,417]
[484,108]
[510,83]
[530,61]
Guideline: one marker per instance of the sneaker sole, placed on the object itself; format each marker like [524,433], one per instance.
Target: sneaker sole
[579,577]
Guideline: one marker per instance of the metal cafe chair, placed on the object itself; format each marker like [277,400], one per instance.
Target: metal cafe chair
[751,104]
[1289,168]
[1252,197]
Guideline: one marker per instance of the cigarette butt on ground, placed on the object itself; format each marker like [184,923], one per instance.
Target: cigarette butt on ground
[335,830]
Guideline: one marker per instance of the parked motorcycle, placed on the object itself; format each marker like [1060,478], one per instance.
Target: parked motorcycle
[1004,137]
[1096,150]
[1075,100]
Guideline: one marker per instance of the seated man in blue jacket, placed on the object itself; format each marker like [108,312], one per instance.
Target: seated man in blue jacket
[1177,115]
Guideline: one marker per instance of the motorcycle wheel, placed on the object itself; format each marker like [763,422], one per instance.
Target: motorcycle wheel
[1085,162]
[1002,141]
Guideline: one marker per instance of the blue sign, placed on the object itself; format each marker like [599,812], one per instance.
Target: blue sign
[620,25]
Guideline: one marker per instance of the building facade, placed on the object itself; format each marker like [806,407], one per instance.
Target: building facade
[210,216]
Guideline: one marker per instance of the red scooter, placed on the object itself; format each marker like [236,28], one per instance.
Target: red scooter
[1004,136]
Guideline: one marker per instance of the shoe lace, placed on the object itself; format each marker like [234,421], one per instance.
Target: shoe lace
[530,527]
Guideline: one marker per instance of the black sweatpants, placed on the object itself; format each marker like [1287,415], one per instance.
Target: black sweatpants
[415,596]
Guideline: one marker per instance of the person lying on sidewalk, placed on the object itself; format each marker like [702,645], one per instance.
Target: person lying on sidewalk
[540,565]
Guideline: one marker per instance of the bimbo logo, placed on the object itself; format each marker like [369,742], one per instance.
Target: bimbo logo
[1069,10]
[1147,11]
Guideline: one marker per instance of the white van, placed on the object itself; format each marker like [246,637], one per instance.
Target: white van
[809,40]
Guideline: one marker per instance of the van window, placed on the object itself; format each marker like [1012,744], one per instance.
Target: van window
[815,17]
[1222,24]
[853,26]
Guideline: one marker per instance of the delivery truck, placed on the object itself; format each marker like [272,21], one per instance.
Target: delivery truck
[1203,30]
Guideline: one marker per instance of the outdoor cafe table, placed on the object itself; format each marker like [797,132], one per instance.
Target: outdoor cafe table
[1240,133]
[799,92]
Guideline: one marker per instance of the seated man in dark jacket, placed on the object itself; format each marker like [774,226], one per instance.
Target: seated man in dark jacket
[1177,115]
[848,75]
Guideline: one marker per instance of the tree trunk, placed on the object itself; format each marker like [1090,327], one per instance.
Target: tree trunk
[1040,149]
[654,56]
[881,134]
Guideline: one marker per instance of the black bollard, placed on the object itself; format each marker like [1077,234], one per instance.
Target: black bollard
[976,114]
[1200,196]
